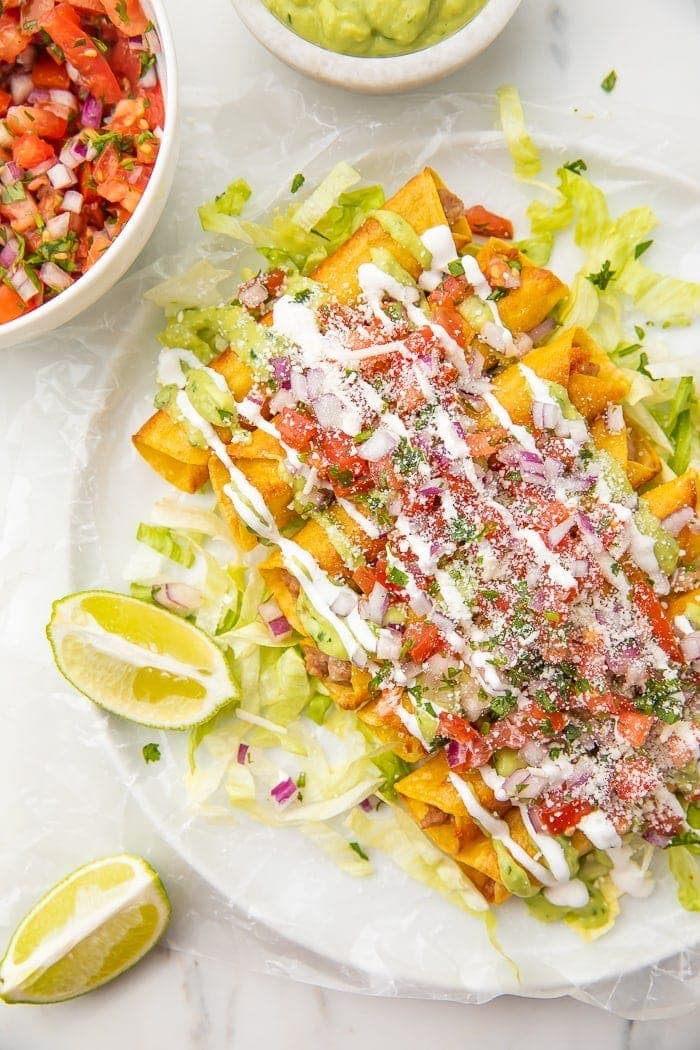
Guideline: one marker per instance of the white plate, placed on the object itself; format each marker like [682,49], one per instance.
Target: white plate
[386,932]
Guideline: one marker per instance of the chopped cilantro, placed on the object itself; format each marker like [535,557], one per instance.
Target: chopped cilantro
[497,294]
[297,182]
[456,268]
[397,576]
[503,704]
[407,458]
[302,296]
[661,697]
[572,732]
[608,82]
[343,477]
[363,436]
[151,753]
[357,848]
[641,248]
[603,277]
[576,166]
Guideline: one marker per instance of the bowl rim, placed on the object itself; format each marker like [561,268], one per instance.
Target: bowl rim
[21,327]
[377,74]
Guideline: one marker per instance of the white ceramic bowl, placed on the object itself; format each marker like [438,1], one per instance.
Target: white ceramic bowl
[377,75]
[131,241]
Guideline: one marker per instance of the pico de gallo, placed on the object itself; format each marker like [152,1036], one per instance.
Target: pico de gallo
[81,118]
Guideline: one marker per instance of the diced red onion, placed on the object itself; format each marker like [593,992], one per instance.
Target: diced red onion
[579,568]
[253,294]
[677,521]
[26,59]
[329,410]
[545,415]
[136,43]
[21,85]
[377,604]
[57,226]
[242,755]
[54,277]
[389,645]
[152,41]
[585,523]
[282,371]
[615,419]
[11,173]
[421,604]
[61,177]
[72,202]
[656,838]
[438,665]
[6,136]
[344,602]
[277,624]
[178,597]
[38,95]
[23,285]
[522,344]
[442,622]
[542,330]
[91,116]
[456,754]
[532,752]
[9,254]
[298,386]
[63,98]
[282,399]
[149,78]
[284,791]
[135,174]
[578,430]
[534,816]
[41,169]
[368,804]
[557,533]
[72,73]
[75,152]
[690,646]
[379,445]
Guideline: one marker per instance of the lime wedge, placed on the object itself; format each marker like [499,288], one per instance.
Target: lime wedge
[87,930]
[138,661]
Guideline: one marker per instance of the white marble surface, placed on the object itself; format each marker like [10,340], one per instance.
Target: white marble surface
[550,50]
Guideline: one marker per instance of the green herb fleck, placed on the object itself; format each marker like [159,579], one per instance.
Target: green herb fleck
[604,276]
[151,753]
[297,182]
[609,82]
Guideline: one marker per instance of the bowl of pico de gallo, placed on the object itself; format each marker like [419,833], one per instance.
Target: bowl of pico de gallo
[88,149]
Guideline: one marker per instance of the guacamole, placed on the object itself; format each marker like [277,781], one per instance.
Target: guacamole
[375,28]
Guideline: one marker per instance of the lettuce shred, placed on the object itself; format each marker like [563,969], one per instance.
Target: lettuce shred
[685,868]
[612,282]
[305,234]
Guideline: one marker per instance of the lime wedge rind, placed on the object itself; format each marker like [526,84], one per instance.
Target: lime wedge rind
[82,647]
[97,921]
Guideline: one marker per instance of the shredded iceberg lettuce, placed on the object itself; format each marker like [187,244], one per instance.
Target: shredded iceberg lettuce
[685,868]
[305,234]
[523,150]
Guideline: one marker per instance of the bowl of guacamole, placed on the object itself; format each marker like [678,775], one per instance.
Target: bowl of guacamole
[376,46]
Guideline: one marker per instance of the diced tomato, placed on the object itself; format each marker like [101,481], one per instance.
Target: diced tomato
[127,116]
[635,779]
[125,62]
[340,452]
[275,280]
[365,577]
[487,224]
[12,40]
[127,16]
[609,704]
[421,340]
[296,429]
[555,718]
[425,641]
[36,119]
[634,727]
[30,151]
[21,215]
[451,320]
[33,12]
[11,306]
[98,243]
[452,290]
[649,604]
[557,815]
[63,26]
[5,102]
[155,107]
[477,749]
[49,74]
[485,442]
